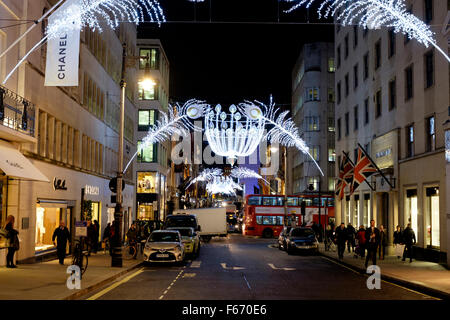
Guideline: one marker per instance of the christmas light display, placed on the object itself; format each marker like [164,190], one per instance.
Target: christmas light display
[206,175]
[374,14]
[224,185]
[243,173]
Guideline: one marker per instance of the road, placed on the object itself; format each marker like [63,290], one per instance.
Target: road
[242,268]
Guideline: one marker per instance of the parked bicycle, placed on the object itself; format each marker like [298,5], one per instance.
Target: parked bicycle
[129,250]
[80,255]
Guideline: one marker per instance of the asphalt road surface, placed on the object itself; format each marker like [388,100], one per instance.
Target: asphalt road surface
[243,268]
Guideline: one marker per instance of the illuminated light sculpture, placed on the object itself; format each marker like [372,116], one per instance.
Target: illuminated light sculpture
[176,121]
[284,131]
[233,135]
[224,185]
[373,14]
[244,173]
[206,175]
[90,13]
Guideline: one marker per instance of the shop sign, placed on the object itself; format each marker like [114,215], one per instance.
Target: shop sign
[92,190]
[59,184]
[384,150]
[80,228]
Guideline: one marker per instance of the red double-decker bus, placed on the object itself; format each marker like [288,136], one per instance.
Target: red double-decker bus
[264,214]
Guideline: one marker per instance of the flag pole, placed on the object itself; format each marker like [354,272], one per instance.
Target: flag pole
[378,169]
[365,179]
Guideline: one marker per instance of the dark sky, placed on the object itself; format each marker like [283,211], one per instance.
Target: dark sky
[235,51]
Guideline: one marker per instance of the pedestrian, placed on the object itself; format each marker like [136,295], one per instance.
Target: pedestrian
[409,238]
[328,237]
[383,243]
[341,238]
[398,242]
[90,236]
[12,240]
[112,237]
[62,235]
[96,235]
[361,237]
[106,235]
[132,234]
[351,232]
[372,241]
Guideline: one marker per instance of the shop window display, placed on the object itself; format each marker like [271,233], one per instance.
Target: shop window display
[147,182]
[47,220]
[432,217]
[411,210]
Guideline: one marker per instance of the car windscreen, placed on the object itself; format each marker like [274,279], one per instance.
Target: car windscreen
[185,232]
[304,233]
[181,221]
[163,237]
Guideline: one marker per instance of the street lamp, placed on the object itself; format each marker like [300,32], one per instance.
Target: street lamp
[116,257]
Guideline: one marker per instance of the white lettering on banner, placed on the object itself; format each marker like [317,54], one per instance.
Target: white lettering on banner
[14,164]
[95,191]
[62,55]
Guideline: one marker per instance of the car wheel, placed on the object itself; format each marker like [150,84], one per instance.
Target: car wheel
[267,233]
[289,250]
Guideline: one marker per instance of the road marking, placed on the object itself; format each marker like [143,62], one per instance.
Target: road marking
[173,282]
[224,265]
[115,285]
[394,284]
[195,264]
[189,275]
[275,268]
[248,284]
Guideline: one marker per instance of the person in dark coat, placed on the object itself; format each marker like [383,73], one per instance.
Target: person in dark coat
[398,241]
[90,236]
[409,238]
[361,237]
[372,242]
[62,235]
[12,241]
[383,243]
[96,236]
[341,238]
[351,232]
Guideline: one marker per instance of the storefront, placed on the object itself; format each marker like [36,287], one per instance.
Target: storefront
[149,195]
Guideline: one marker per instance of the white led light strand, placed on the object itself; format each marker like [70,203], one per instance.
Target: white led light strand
[373,14]
[243,173]
[224,185]
[206,175]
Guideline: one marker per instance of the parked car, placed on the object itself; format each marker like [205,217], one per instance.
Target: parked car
[182,220]
[164,246]
[303,239]
[190,239]
[282,237]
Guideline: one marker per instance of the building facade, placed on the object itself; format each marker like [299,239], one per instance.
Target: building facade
[392,97]
[153,170]
[313,112]
[68,134]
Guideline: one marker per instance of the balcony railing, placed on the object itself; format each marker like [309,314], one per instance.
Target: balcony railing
[16,112]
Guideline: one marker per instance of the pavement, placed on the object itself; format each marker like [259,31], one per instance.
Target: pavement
[428,277]
[47,280]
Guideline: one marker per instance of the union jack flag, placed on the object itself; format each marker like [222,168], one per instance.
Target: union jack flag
[345,176]
[363,169]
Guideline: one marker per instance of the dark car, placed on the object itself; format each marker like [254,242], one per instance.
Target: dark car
[182,220]
[282,237]
[303,239]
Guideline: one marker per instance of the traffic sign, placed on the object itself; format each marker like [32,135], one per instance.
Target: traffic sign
[113,185]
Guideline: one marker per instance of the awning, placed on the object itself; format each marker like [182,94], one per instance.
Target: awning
[14,164]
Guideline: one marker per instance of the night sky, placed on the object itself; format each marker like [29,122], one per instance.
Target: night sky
[235,51]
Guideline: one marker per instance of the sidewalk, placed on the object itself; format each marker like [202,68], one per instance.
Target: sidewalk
[47,280]
[424,276]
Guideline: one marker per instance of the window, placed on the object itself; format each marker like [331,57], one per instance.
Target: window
[312,94]
[147,182]
[406,37]
[347,85]
[409,83]
[392,95]
[314,181]
[330,184]
[429,69]
[366,111]
[331,65]
[339,92]
[431,134]
[330,94]
[315,153]
[312,123]
[355,76]
[412,210]
[347,129]
[331,127]
[346,46]
[392,37]
[331,154]
[410,141]
[270,220]
[153,58]
[432,217]
[147,118]
[355,155]
[339,128]
[377,54]
[148,92]
[378,104]
[338,56]
[428,11]
[366,65]
[147,154]
[355,117]
[355,36]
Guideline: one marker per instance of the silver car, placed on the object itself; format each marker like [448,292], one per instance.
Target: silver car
[164,246]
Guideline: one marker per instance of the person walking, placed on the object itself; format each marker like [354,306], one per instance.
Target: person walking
[62,235]
[96,235]
[351,232]
[383,243]
[372,241]
[12,240]
[361,237]
[409,238]
[398,242]
[341,238]
[90,236]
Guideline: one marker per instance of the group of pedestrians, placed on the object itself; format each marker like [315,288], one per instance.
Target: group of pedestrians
[373,241]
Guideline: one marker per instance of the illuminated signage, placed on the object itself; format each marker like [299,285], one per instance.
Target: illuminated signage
[92,190]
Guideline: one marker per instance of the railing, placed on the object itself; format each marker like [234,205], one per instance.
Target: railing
[16,112]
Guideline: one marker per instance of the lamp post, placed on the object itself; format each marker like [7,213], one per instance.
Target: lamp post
[116,257]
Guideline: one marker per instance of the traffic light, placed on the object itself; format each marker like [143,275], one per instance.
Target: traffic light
[303,208]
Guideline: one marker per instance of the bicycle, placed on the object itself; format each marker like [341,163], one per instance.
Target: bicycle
[129,250]
[80,256]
